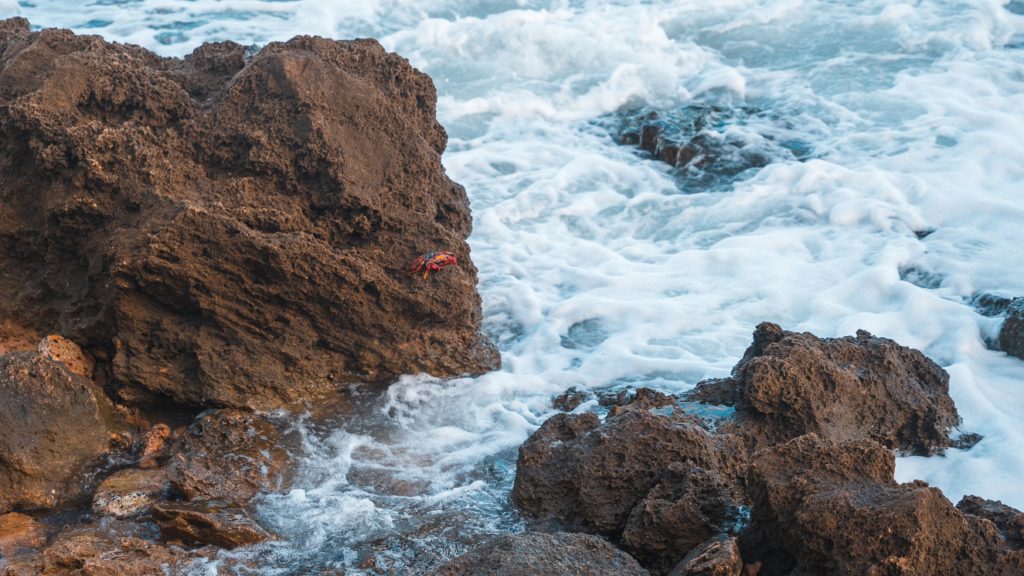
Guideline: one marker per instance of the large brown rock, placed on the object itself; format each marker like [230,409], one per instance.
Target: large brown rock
[581,473]
[56,427]
[229,455]
[540,554]
[214,523]
[232,231]
[789,384]
[821,507]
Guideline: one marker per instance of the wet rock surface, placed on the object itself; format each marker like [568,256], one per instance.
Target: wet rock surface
[18,531]
[57,429]
[1009,521]
[130,492]
[200,523]
[230,231]
[541,554]
[1011,335]
[229,455]
[789,384]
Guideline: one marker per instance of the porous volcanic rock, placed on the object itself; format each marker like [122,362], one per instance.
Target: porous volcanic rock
[55,429]
[578,472]
[228,455]
[232,231]
[541,554]
[718,556]
[789,384]
[1008,520]
[821,507]
[686,507]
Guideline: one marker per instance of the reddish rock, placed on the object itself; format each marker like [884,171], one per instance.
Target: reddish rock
[229,455]
[15,337]
[539,554]
[19,531]
[718,556]
[821,507]
[154,448]
[57,428]
[232,232]
[789,384]
[214,523]
[130,492]
[686,507]
[60,349]
[588,475]
[570,399]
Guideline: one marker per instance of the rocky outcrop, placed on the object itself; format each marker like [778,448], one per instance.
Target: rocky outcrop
[231,231]
[789,384]
[821,507]
[583,474]
[1011,334]
[539,554]
[229,455]
[1009,521]
[57,428]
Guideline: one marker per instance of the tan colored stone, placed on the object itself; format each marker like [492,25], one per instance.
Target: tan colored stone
[130,492]
[68,353]
[19,531]
[154,447]
[16,338]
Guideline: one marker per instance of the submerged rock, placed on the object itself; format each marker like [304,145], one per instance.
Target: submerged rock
[822,507]
[540,554]
[57,427]
[789,384]
[229,455]
[232,231]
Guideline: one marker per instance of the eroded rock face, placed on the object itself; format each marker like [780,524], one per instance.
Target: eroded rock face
[1009,521]
[540,554]
[819,507]
[789,384]
[18,531]
[232,232]
[228,455]
[718,556]
[214,523]
[588,475]
[56,429]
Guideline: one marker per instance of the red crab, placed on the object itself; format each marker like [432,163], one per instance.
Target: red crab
[430,261]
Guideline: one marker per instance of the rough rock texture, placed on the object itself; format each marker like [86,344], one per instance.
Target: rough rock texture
[821,507]
[154,446]
[203,523]
[1011,335]
[1009,521]
[231,231]
[580,473]
[68,353]
[106,549]
[718,556]
[570,399]
[55,428]
[228,455]
[686,507]
[19,531]
[789,384]
[130,492]
[16,338]
[540,554]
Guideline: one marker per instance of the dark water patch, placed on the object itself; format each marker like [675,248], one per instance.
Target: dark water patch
[710,146]
[585,335]
[920,277]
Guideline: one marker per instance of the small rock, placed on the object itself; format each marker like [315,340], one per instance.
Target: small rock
[60,349]
[717,556]
[570,399]
[130,492]
[539,554]
[19,531]
[228,455]
[154,446]
[1011,335]
[210,522]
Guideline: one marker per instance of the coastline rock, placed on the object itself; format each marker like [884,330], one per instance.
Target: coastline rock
[19,531]
[57,428]
[228,455]
[232,232]
[718,556]
[60,349]
[580,473]
[1011,334]
[821,507]
[202,523]
[1009,521]
[688,506]
[789,384]
[130,492]
[570,399]
[540,554]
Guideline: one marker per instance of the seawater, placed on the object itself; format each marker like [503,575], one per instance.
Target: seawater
[599,268]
